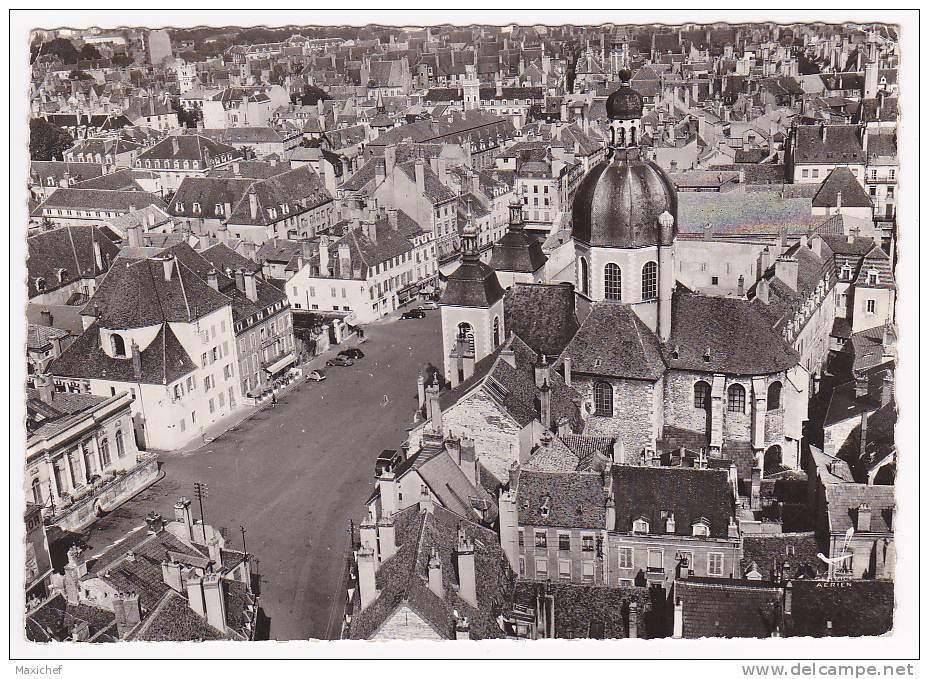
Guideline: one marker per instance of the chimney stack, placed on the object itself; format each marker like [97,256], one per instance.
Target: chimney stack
[420,170]
[467,582]
[568,365]
[433,407]
[435,574]
[252,202]
[887,388]
[45,387]
[168,263]
[212,279]
[182,515]
[863,519]
[127,611]
[134,236]
[136,360]
[387,538]
[171,574]
[633,620]
[251,287]
[323,256]
[787,268]
[468,461]
[345,261]
[665,274]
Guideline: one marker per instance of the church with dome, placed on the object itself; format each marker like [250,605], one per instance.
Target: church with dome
[655,365]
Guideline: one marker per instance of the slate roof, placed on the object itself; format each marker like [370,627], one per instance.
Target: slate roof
[96,200]
[862,608]
[65,255]
[189,147]
[516,251]
[403,577]
[41,336]
[614,342]
[136,294]
[41,170]
[572,499]
[593,452]
[174,620]
[728,608]
[740,338]
[591,611]
[841,180]
[472,284]
[843,499]
[163,361]
[54,620]
[543,316]
[47,419]
[769,553]
[449,484]
[300,189]
[552,456]
[209,192]
[842,145]
[120,180]
[688,493]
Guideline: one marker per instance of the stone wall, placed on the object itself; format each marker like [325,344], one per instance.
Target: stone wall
[495,434]
[635,418]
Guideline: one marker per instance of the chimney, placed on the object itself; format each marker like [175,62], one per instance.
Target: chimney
[45,387]
[863,519]
[136,360]
[215,551]
[380,171]
[345,261]
[127,611]
[252,202]
[467,581]
[887,388]
[462,629]
[80,631]
[666,278]
[755,498]
[75,569]
[390,158]
[426,503]
[323,256]
[610,514]
[251,287]
[420,176]
[214,598]
[98,256]
[134,236]
[434,408]
[212,279]
[678,629]
[421,390]
[392,218]
[762,290]
[387,485]
[175,148]
[240,279]
[182,515]
[740,288]
[682,570]
[171,574]
[633,620]
[468,461]
[787,268]
[568,363]
[154,523]
[509,356]
[862,388]
[435,574]
[168,263]
[387,538]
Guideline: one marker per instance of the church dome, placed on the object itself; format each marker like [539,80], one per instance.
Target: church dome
[625,103]
[618,203]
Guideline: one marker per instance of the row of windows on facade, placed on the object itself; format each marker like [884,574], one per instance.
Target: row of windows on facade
[90,468]
[182,423]
[735,397]
[715,564]
[181,165]
[613,280]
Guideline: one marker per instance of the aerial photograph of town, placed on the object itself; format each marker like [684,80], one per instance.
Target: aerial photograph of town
[459,332]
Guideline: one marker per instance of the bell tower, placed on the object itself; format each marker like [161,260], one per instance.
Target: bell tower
[471,307]
[624,108]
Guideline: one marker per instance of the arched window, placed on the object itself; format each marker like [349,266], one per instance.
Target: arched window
[120,446]
[40,285]
[774,396]
[650,280]
[584,276]
[632,136]
[702,395]
[37,491]
[773,460]
[612,282]
[603,399]
[104,453]
[496,331]
[89,467]
[466,333]
[736,400]
[118,344]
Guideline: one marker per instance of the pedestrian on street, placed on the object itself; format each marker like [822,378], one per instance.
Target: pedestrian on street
[273,399]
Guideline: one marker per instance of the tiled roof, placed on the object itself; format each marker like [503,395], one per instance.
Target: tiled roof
[174,620]
[552,456]
[588,611]
[97,200]
[593,452]
[449,484]
[842,144]
[740,339]
[843,499]
[543,316]
[860,608]
[688,493]
[561,499]
[614,342]
[517,251]
[47,419]
[138,294]
[65,255]
[163,361]
[728,608]
[472,284]
[41,336]
[769,553]
[841,181]
[300,190]
[403,577]
[120,180]
[54,620]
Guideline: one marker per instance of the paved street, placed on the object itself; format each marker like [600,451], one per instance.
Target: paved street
[295,474]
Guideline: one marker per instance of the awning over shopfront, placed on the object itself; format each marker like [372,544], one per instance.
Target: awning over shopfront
[280,364]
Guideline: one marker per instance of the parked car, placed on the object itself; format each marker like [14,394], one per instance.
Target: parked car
[352,352]
[340,361]
[429,306]
[388,459]
[315,376]
[413,313]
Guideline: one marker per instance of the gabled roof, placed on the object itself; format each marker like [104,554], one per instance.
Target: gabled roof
[688,493]
[518,252]
[542,316]
[843,500]
[842,182]
[614,342]
[713,607]
[830,144]
[561,499]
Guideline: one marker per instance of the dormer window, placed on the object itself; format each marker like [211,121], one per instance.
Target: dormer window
[872,277]
[62,275]
[701,528]
[40,284]
[196,208]
[118,345]
[640,526]
[846,273]
[219,208]
[669,524]
[545,509]
[179,207]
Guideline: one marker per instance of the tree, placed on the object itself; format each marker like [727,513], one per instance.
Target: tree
[90,53]
[80,75]
[47,141]
[188,118]
[311,94]
[59,47]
